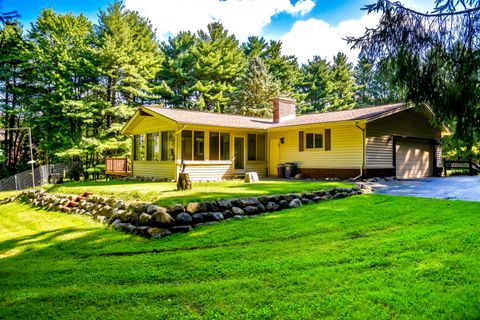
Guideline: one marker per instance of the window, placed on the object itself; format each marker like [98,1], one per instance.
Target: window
[214,146]
[187,145]
[198,147]
[139,147]
[256,147]
[219,146]
[153,150]
[193,143]
[224,146]
[314,140]
[168,146]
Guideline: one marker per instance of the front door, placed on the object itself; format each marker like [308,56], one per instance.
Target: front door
[239,153]
[274,157]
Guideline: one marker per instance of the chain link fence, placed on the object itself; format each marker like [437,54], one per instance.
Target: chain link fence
[46,174]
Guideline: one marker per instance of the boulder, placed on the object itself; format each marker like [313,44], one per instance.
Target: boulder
[306,201]
[271,206]
[197,217]
[182,228]
[175,209]
[261,208]
[283,204]
[250,210]
[161,217]
[237,211]
[144,219]
[184,218]
[224,204]
[151,208]
[340,195]
[211,206]
[227,214]
[295,203]
[119,204]
[263,199]
[215,216]
[106,211]
[158,233]
[142,231]
[194,207]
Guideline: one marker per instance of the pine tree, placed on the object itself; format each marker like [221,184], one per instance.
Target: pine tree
[14,96]
[63,79]
[317,85]
[255,91]
[364,77]
[219,63]
[343,94]
[128,58]
[178,70]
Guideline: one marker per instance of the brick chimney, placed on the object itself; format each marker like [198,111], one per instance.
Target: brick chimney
[283,109]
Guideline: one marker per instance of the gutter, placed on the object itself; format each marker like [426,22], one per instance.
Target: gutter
[363,151]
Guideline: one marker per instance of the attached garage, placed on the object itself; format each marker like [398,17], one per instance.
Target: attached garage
[414,158]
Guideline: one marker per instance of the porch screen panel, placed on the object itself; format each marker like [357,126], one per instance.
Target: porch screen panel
[168,146]
[214,146]
[199,145]
[187,143]
[224,146]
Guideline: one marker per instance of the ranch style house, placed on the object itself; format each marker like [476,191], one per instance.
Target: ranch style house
[390,140]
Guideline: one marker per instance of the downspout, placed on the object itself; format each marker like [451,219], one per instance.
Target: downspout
[363,151]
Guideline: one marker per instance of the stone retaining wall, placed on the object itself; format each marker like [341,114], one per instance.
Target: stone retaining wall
[150,220]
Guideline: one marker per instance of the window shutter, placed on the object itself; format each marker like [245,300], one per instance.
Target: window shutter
[300,141]
[328,145]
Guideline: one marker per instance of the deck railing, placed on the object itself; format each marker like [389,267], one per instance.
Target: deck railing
[118,166]
[460,164]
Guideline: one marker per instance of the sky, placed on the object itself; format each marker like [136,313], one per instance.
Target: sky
[305,27]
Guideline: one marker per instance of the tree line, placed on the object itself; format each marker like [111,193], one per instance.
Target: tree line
[76,83]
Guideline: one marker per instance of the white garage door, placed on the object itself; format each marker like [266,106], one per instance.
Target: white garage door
[413,159]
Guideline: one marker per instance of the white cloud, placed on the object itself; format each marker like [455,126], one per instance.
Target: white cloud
[241,17]
[316,37]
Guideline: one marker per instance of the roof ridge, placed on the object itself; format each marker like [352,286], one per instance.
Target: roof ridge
[206,112]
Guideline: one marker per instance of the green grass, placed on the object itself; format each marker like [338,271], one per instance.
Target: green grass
[165,193]
[8,194]
[364,257]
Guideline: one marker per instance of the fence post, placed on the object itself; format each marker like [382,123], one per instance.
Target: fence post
[16,185]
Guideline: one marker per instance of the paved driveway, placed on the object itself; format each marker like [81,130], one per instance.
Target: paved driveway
[459,187]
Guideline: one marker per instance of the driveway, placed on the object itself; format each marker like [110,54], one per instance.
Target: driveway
[459,187]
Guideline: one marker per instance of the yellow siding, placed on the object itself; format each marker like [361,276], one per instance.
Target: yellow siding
[259,167]
[203,170]
[157,169]
[346,147]
[379,152]
[146,124]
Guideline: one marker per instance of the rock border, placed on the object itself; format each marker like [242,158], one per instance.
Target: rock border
[152,221]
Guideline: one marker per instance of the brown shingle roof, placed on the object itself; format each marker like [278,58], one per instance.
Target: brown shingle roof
[211,119]
[228,120]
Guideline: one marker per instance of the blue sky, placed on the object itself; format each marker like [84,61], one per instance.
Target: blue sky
[306,27]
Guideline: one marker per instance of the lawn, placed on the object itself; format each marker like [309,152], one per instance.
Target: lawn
[364,257]
[8,194]
[166,194]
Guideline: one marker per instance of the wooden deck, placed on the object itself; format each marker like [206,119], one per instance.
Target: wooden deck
[118,167]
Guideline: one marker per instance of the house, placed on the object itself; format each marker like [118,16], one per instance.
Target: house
[389,140]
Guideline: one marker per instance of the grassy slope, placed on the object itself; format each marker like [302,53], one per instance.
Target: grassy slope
[363,257]
[166,193]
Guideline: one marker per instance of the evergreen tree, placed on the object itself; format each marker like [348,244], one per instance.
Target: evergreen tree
[128,58]
[14,95]
[364,77]
[63,76]
[284,69]
[255,91]
[343,81]
[317,85]
[219,63]
[178,70]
